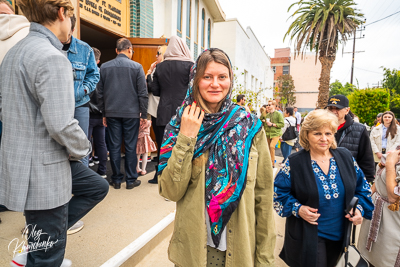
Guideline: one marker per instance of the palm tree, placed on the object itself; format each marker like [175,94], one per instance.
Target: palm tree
[318,26]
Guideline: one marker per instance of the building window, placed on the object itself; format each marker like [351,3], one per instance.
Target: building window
[209,33]
[285,70]
[196,22]
[203,22]
[274,69]
[188,17]
[179,16]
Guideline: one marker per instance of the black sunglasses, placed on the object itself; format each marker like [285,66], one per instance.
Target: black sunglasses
[158,53]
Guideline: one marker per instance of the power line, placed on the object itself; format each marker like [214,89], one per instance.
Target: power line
[369,70]
[382,19]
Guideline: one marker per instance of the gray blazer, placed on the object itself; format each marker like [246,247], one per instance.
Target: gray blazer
[39,130]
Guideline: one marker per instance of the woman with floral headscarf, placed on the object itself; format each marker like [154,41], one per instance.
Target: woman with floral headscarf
[215,163]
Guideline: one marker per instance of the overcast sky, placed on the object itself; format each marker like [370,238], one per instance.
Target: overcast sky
[269,21]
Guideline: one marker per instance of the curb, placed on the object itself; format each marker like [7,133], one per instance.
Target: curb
[130,250]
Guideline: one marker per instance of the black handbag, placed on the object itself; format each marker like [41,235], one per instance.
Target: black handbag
[351,256]
[290,133]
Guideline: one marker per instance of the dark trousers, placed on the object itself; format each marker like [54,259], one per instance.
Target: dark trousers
[88,189]
[128,130]
[328,252]
[98,132]
[159,132]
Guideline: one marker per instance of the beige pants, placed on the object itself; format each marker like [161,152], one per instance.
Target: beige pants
[272,143]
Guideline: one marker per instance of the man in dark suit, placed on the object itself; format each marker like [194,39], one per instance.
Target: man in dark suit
[122,98]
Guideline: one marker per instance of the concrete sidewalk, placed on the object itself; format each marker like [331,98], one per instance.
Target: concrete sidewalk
[117,221]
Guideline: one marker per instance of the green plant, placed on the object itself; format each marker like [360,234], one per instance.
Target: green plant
[318,26]
[285,90]
[391,81]
[367,103]
[336,88]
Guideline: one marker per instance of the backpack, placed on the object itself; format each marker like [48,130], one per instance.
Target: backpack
[290,133]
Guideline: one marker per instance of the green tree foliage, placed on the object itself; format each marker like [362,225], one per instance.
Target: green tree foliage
[391,81]
[336,88]
[319,25]
[367,103]
[285,90]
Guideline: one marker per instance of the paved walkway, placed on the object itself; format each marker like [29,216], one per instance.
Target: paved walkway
[117,221]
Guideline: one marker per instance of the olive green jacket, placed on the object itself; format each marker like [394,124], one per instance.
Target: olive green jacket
[277,118]
[251,229]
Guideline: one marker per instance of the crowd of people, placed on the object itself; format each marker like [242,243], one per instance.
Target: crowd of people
[215,158]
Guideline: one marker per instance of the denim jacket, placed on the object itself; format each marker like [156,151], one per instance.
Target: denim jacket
[85,70]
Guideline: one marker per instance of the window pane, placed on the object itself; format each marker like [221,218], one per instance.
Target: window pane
[209,33]
[203,17]
[188,18]
[285,69]
[196,21]
[179,25]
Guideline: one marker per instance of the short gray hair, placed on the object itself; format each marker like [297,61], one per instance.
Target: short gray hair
[123,44]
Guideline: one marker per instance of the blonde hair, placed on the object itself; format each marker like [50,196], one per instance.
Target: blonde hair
[314,121]
[162,51]
[44,11]
[273,102]
[212,55]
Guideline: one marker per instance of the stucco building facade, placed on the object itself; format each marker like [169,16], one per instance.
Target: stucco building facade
[305,72]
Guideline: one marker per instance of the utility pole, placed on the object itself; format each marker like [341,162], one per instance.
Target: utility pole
[352,61]
[354,51]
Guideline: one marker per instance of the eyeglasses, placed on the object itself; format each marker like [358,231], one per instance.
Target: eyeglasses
[158,53]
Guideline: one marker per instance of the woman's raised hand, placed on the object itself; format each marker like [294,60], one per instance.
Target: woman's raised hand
[192,118]
[309,214]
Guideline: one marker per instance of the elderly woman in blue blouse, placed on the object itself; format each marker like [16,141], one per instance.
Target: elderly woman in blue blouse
[313,189]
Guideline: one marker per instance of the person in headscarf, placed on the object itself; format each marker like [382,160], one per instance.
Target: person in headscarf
[170,81]
[215,163]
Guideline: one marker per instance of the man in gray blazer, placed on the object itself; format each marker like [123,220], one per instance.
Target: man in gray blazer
[41,136]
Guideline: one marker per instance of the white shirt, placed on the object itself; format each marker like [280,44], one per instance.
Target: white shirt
[298,117]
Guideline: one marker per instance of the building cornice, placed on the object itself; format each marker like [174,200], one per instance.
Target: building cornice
[215,10]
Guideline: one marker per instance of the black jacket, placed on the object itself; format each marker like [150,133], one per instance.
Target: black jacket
[301,237]
[354,136]
[170,83]
[122,91]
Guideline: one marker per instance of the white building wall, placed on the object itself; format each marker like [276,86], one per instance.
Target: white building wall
[165,21]
[246,54]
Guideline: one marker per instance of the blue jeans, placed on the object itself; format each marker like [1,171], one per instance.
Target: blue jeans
[127,129]
[286,150]
[82,116]
[98,131]
[88,189]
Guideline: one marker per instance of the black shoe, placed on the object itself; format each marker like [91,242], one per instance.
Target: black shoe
[153,181]
[134,184]
[116,185]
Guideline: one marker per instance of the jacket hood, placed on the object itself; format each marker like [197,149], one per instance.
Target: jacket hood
[11,24]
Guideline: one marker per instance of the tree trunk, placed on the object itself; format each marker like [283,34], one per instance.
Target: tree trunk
[326,60]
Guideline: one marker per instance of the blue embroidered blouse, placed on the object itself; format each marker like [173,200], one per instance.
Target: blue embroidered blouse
[331,198]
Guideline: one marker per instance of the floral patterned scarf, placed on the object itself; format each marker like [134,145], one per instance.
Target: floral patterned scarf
[227,135]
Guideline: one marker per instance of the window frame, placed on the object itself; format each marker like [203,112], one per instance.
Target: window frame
[179,17]
[188,18]
[203,26]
